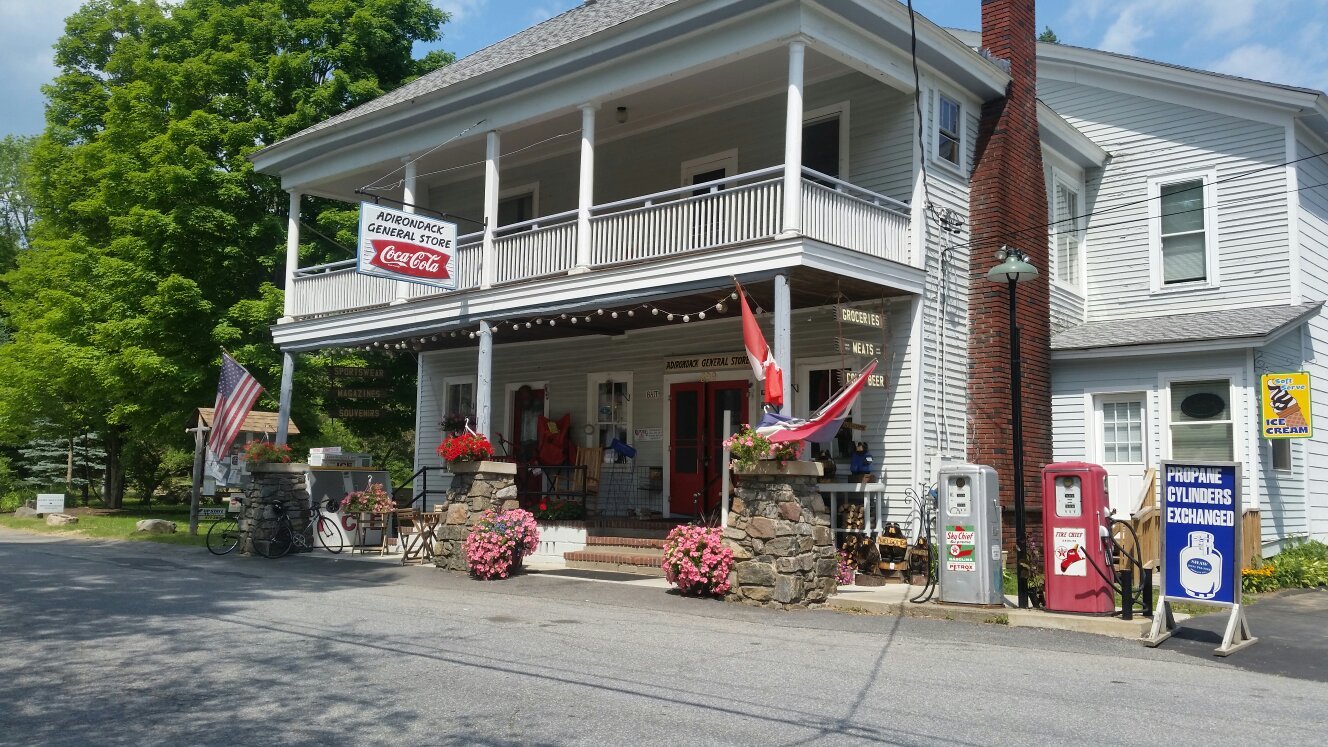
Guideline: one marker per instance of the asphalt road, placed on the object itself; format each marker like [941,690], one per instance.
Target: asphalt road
[131,643]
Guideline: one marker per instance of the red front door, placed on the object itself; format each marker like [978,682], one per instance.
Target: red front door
[696,435]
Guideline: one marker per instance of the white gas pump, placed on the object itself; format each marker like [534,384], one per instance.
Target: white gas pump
[968,535]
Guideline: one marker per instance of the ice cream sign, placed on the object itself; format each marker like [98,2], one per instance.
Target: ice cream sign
[1285,410]
[406,246]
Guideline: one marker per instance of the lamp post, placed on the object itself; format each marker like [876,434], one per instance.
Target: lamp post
[1014,268]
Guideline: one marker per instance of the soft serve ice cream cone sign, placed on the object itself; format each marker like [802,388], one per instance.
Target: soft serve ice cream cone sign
[1285,406]
[407,246]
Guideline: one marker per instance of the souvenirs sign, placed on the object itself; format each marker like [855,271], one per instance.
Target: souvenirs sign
[1201,546]
[1284,405]
[405,246]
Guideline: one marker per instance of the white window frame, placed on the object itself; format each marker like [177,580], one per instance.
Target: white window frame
[532,189]
[1235,404]
[1060,178]
[1211,265]
[1098,437]
[593,380]
[840,110]
[725,159]
[936,131]
[1273,445]
[451,381]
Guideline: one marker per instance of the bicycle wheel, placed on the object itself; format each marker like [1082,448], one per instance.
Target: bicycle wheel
[223,536]
[329,534]
[279,545]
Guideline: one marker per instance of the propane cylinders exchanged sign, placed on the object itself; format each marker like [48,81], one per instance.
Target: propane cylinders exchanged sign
[1201,507]
[405,246]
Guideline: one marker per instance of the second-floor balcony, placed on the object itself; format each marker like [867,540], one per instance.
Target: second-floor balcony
[738,210]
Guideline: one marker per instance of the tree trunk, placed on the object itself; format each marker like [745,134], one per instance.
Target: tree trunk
[113,482]
[69,470]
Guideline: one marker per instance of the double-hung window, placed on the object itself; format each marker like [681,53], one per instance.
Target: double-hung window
[1068,231]
[1183,231]
[1201,421]
[948,122]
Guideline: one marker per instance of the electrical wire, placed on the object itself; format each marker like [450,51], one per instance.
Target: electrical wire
[374,184]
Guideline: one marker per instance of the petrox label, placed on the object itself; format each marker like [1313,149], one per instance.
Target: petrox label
[405,246]
[1201,507]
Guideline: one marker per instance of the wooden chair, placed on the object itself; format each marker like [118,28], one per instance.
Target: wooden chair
[410,540]
[592,458]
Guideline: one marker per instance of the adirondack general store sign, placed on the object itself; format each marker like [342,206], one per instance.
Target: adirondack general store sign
[405,246]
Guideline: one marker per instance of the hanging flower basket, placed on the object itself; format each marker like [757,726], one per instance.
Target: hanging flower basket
[467,447]
[374,499]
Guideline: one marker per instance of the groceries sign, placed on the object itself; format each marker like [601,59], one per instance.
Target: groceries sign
[406,246]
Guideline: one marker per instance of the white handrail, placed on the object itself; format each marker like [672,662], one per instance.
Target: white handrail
[540,222]
[689,189]
[325,267]
[866,194]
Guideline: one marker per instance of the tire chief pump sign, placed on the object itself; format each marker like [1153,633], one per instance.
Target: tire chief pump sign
[405,246]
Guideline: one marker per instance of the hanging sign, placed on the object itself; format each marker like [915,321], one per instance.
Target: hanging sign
[1201,545]
[1285,405]
[850,346]
[863,317]
[406,246]
[875,381]
[357,372]
[705,363]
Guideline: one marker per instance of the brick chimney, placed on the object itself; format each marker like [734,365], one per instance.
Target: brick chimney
[1007,203]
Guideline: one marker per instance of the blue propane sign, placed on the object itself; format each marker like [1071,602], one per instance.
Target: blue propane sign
[1201,542]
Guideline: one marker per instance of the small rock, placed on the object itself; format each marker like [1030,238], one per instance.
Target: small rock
[757,593]
[60,520]
[737,505]
[506,493]
[155,526]
[25,512]
[457,513]
[511,505]
[821,535]
[788,589]
[790,511]
[761,528]
[756,574]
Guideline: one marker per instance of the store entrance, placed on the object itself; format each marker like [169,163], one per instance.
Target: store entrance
[696,441]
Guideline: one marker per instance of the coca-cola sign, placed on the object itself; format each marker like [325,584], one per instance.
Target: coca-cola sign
[407,246]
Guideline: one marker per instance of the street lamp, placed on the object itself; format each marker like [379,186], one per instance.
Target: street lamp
[1014,268]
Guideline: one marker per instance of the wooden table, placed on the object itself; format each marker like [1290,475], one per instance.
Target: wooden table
[422,549]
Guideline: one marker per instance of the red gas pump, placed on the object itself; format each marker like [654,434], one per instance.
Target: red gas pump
[1074,515]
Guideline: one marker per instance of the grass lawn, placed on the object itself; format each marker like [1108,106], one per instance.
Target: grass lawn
[103,523]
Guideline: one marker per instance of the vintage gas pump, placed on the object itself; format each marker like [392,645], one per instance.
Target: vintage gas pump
[968,535]
[1074,521]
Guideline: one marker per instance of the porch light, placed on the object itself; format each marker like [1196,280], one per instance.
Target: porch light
[621,115]
[720,307]
[654,312]
[700,315]
[1013,269]
[686,318]
[631,313]
[614,315]
[669,317]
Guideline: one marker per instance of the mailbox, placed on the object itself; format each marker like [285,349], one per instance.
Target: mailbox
[1074,519]
[968,533]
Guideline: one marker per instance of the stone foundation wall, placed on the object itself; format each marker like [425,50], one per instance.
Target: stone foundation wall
[476,488]
[271,483]
[779,531]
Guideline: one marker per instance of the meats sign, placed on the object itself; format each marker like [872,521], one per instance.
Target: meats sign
[406,246]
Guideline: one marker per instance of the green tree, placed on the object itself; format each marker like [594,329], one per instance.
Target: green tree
[156,241]
[15,208]
[1048,36]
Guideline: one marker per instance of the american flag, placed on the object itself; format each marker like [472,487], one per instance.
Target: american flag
[236,395]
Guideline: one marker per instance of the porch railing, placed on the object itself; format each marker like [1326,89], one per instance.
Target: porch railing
[733,210]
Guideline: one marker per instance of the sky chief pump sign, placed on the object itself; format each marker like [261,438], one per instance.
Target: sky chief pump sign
[406,246]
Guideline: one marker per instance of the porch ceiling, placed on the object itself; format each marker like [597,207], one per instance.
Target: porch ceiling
[744,79]
[808,288]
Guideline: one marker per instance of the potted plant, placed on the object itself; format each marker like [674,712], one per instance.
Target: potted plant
[465,447]
[454,423]
[747,448]
[697,561]
[497,543]
[374,499]
[266,452]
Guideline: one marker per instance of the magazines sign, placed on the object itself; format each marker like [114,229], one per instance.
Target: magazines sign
[405,246]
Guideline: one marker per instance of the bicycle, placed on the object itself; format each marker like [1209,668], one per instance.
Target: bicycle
[223,535]
[287,538]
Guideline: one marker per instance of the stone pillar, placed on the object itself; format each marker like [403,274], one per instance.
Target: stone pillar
[476,488]
[779,530]
[268,484]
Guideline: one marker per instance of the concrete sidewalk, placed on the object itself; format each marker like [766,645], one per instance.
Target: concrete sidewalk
[893,599]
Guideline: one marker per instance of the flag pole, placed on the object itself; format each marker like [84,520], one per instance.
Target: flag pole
[196,495]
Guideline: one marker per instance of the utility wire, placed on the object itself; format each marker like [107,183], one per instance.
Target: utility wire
[374,184]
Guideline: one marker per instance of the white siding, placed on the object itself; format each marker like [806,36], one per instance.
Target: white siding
[880,121]
[1314,278]
[564,364]
[1148,137]
[1283,496]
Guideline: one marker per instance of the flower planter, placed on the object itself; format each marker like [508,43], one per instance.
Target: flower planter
[470,468]
[773,467]
[287,468]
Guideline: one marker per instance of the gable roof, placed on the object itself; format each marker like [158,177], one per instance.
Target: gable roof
[1235,327]
[257,421]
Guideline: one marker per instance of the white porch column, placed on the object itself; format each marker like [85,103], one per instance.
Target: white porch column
[484,382]
[784,339]
[793,141]
[408,205]
[586,193]
[284,403]
[292,254]
[492,154]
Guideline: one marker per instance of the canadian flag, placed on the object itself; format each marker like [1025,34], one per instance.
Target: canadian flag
[762,358]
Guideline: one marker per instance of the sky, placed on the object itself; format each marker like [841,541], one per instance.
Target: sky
[1282,41]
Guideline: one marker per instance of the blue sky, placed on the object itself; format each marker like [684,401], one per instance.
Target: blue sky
[1276,40]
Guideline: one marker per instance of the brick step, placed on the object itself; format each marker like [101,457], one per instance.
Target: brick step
[644,571]
[616,556]
[598,542]
[624,527]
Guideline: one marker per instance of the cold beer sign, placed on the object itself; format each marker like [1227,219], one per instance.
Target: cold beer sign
[405,246]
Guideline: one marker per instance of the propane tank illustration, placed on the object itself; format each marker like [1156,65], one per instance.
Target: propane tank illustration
[1201,567]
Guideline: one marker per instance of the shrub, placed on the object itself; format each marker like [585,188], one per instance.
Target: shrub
[496,543]
[552,509]
[1302,565]
[696,560]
